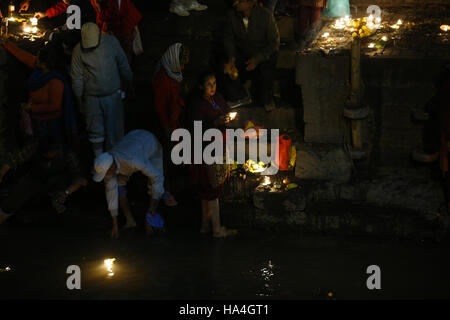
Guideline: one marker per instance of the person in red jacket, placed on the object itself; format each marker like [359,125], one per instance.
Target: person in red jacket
[119,17]
[167,97]
[88,13]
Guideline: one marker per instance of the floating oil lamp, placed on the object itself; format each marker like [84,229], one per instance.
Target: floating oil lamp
[109,264]
[445,27]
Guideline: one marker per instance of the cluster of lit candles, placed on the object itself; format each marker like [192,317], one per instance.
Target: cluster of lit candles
[33,28]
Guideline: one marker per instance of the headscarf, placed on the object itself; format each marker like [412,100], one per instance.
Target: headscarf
[171,62]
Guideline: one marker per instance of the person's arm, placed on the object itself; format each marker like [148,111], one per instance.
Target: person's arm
[76,73]
[161,96]
[112,198]
[273,41]
[57,9]
[125,72]
[22,55]
[24,6]
[55,98]
[155,177]
[176,105]
[23,155]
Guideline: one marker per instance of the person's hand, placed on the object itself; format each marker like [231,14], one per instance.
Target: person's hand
[61,197]
[26,106]
[251,64]
[40,15]
[24,6]
[229,67]
[222,120]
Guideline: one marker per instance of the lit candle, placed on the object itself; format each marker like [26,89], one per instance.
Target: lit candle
[445,27]
[266,181]
[371,45]
[399,22]
[326,34]
[232,115]
[27,29]
[384,38]
[34,21]
[34,30]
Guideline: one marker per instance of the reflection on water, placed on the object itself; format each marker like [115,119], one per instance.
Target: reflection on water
[266,275]
[109,265]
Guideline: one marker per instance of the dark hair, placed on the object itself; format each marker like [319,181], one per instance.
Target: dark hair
[205,75]
[53,56]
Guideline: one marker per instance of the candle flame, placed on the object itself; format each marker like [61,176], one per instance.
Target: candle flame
[399,22]
[445,27]
[371,45]
[384,38]
[326,34]
[27,29]
[34,30]
[34,21]
[266,181]
[232,115]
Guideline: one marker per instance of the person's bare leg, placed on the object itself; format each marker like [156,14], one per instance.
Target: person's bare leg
[215,216]
[206,217]
[131,223]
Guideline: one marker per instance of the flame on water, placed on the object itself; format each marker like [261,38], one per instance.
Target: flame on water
[109,264]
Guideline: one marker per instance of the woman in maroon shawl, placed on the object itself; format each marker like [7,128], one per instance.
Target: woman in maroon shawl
[213,111]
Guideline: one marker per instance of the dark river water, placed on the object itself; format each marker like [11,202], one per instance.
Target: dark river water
[182,265]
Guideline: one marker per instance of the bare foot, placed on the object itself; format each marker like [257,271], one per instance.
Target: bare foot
[130,224]
[224,232]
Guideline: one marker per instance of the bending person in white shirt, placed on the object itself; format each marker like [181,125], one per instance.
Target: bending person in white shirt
[140,151]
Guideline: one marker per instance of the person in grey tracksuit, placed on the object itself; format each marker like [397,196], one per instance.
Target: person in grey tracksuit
[98,75]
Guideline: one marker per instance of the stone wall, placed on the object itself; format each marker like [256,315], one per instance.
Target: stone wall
[391,87]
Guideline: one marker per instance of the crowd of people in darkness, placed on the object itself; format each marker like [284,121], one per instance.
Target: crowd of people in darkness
[85,98]
[92,88]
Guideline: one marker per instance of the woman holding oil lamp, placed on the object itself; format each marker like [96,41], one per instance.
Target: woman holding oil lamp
[214,112]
